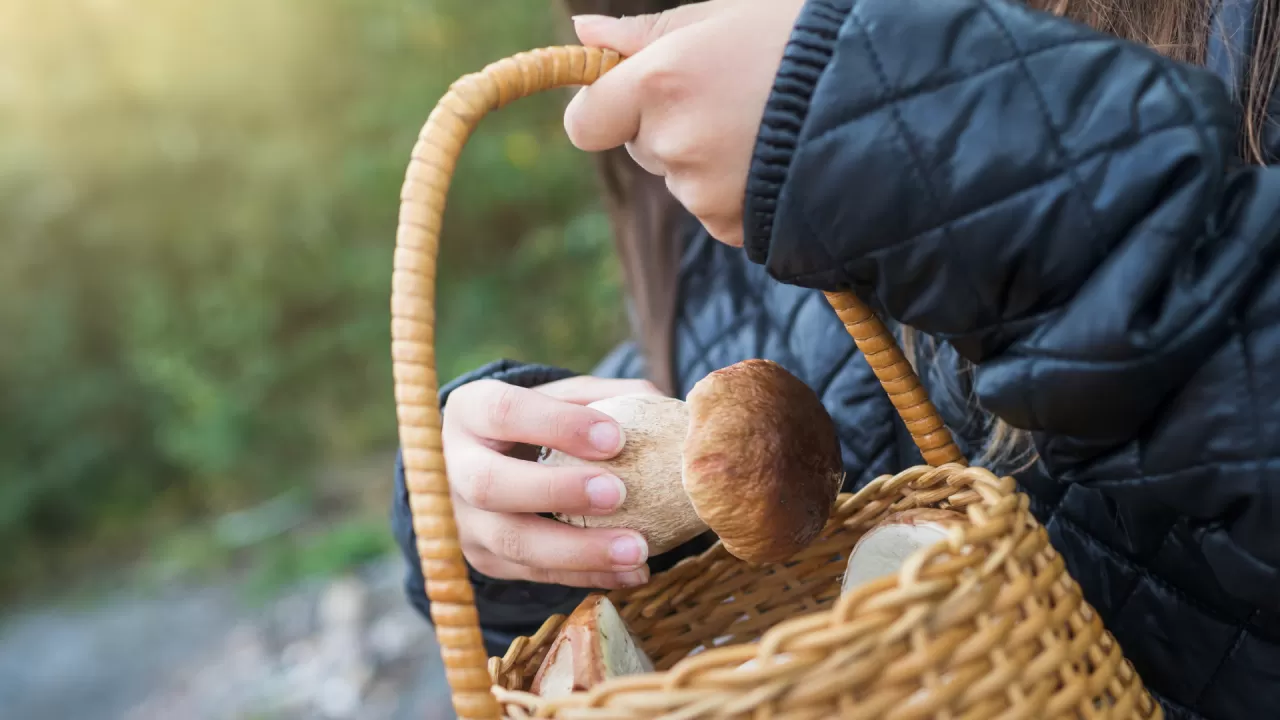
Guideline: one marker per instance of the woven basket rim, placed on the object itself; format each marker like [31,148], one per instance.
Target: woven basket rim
[786,637]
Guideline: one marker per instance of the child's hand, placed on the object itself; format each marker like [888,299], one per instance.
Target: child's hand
[689,98]
[497,485]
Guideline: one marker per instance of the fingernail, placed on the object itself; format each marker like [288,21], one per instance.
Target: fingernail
[580,19]
[627,550]
[606,492]
[634,578]
[605,437]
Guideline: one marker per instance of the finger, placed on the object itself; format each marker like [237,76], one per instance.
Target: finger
[495,567]
[539,542]
[586,389]
[612,111]
[495,410]
[491,481]
[455,438]
[629,35]
[606,115]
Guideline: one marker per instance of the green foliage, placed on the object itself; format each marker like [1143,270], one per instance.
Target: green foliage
[197,210]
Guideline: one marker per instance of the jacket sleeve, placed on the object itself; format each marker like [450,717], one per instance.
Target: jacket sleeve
[1062,207]
[507,608]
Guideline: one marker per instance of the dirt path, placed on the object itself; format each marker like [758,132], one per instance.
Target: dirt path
[349,649]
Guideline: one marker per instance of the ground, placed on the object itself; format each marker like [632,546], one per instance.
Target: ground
[344,648]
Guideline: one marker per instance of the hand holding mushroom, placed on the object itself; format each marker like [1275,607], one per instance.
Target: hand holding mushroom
[491,435]
[752,455]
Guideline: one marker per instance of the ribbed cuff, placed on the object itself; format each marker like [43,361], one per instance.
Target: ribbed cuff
[813,40]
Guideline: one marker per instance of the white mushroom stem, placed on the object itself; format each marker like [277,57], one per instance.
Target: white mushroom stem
[593,645]
[883,549]
[650,467]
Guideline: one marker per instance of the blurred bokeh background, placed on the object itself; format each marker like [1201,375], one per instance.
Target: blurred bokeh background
[197,210]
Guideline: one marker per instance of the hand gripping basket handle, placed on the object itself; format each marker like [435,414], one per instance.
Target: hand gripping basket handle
[422,202]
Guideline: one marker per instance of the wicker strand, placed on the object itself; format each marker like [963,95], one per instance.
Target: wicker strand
[898,379]
[986,624]
[422,206]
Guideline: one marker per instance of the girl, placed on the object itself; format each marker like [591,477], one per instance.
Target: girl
[1084,229]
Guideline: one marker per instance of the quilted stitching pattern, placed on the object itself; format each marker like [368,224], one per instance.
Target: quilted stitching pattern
[1059,216]
[1140,582]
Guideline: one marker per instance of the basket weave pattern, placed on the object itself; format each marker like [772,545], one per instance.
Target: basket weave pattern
[987,624]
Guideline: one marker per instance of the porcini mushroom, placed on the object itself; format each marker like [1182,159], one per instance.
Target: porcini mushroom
[884,548]
[593,645]
[752,455]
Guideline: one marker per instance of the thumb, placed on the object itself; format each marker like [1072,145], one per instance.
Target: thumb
[631,34]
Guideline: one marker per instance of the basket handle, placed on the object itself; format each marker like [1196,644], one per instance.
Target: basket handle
[422,203]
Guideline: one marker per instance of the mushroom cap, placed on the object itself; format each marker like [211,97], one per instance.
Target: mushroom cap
[762,463]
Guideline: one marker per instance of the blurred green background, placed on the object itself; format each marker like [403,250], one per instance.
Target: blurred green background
[198,204]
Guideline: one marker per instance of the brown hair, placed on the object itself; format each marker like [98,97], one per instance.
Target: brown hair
[646,218]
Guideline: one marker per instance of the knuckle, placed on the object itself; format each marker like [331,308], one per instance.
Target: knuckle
[503,405]
[479,484]
[510,544]
[663,81]
[563,426]
[676,148]
[552,494]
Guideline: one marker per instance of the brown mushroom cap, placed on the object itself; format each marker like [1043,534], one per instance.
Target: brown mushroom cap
[762,461]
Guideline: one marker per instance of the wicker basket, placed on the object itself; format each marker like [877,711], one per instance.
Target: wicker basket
[987,624]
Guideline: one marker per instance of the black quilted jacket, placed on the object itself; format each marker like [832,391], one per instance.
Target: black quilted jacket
[1067,212]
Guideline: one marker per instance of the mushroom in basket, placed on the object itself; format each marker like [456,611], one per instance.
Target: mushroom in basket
[593,645]
[885,547]
[882,550]
[752,455]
